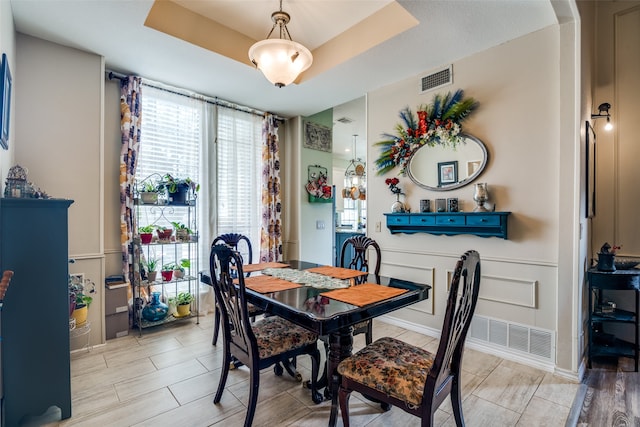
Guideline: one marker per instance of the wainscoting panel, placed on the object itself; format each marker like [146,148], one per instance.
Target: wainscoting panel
[509,290]
[505,290]
[423,275]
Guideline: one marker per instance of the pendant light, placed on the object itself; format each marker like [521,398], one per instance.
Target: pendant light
[281,60]
[355,177]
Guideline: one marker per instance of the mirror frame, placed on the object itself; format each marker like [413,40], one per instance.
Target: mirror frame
[462,183]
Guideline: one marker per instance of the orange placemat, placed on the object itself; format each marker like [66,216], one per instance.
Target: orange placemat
[268,284]
[248,268]
[364,294]
[337,272]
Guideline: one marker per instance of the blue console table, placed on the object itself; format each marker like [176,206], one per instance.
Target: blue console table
[483,224]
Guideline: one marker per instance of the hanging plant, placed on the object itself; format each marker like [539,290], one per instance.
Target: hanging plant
[438,123]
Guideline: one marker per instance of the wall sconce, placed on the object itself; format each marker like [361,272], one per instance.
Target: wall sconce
[605,106]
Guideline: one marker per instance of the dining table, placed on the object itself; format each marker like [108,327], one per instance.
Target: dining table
[328,311]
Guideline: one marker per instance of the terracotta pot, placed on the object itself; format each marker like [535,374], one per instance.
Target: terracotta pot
[165,234]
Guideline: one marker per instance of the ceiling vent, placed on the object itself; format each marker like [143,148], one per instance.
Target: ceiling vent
[435,80]
[345,120]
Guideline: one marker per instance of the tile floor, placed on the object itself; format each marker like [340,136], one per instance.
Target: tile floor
[168,377]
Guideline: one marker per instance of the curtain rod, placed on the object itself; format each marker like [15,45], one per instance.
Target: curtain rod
[118,76]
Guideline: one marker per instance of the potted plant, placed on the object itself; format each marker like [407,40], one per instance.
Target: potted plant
[149,193]
[167,271]
[150,265]
[178,271]
[179,190]
[81,302]
[146,233]
[183,232]
[172,302]
[164,233]
[183,301]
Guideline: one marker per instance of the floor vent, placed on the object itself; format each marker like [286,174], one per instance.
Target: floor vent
[435,80]
[513,336]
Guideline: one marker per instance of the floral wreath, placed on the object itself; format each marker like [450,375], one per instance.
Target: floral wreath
[436,124]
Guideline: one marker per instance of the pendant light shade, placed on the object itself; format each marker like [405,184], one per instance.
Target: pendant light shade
[281,60]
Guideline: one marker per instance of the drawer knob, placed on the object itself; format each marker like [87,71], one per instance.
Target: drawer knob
[450,219]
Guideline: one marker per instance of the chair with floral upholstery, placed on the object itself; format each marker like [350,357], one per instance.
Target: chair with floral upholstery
[240,243]
[356,247]
[399,374]
[257,345]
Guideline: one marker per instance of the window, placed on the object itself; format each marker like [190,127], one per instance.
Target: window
[239,152]
[170,142]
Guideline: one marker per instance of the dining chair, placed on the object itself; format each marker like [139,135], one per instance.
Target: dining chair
[396,373]
[259,344]
[242,244]
[356,247]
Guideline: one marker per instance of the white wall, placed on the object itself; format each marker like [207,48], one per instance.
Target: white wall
[519,120]
[59,110]
[8,46]
[616,67]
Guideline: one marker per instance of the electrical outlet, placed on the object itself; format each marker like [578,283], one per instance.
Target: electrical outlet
[378,226]
[319,224]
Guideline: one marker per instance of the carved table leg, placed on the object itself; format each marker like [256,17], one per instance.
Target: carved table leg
[340,346]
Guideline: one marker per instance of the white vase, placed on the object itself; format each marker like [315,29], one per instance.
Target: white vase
[398,206]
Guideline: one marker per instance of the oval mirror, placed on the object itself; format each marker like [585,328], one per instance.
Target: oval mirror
[442,168]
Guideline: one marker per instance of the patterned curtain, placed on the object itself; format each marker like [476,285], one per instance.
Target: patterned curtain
[130,120]
[271,232]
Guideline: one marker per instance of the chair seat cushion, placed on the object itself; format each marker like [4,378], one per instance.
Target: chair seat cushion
[276,335]
[392,367]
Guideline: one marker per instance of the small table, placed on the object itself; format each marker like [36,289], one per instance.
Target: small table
[81,331]
[600,343]
[306,307]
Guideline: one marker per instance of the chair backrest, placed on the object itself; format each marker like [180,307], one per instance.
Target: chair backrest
[357,247]
[235,240]
[232,302]
[461,304]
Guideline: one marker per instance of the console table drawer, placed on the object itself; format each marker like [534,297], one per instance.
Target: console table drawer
[487,220]
[450,220]
[398,219]
[422,220]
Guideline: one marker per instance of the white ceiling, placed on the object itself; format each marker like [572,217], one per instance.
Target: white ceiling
[448,30]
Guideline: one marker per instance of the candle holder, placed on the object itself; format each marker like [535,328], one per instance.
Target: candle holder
[481,196]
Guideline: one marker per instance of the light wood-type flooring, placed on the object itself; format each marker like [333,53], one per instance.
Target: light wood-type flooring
[168,376]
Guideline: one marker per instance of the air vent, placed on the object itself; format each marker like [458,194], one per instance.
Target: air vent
[521,338]
[435,80]
[344,120]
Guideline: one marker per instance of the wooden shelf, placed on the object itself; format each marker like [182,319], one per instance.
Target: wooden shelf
[483,224]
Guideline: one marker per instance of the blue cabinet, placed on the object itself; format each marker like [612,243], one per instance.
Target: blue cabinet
[483,224]
[341,236]
[35,313]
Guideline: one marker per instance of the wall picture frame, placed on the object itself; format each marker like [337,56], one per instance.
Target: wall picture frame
[590,170]
[447,173]
[317,137]
[5,102]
